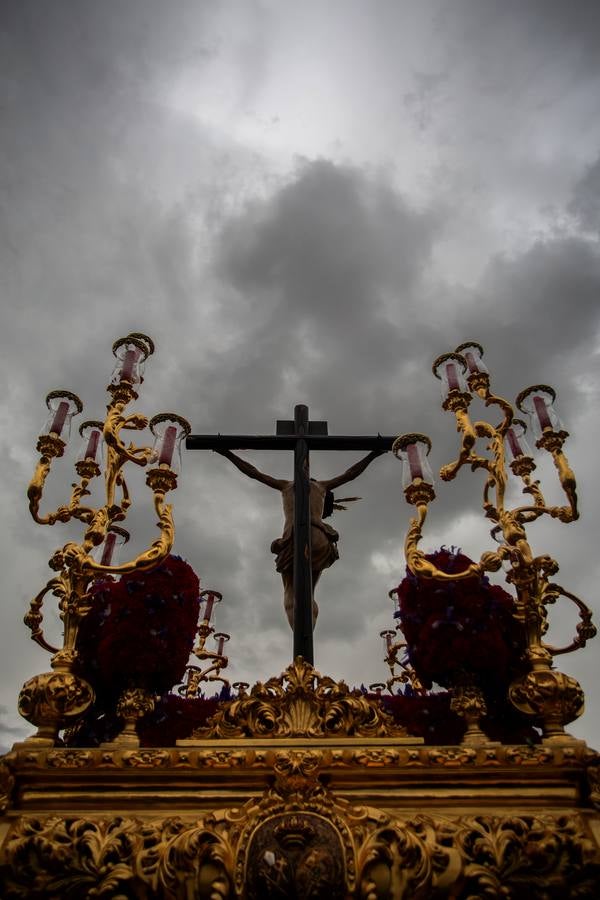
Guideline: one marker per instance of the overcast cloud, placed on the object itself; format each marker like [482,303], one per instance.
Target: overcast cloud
[300,203]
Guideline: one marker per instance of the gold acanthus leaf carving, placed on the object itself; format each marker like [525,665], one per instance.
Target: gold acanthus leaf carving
[301,703]
[383,856]
[479,856]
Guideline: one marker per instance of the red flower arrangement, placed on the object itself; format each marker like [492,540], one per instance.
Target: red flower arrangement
[140,631]
[457,627]
[430,716]
[175,718]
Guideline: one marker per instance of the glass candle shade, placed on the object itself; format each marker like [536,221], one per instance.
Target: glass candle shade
[537,402]
[472,353]
[208,600]
[169,430]
[108,553]
[131,353]
[63,405]
[515,444]
[221,638]
[450,368]
[388,640]
[92,443]
[412,451]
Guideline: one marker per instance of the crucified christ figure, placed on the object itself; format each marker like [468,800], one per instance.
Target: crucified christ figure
[323,537]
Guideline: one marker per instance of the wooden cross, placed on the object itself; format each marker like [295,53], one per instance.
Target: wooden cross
[300,435]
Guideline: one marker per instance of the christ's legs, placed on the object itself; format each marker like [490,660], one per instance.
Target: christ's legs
[315,608]
[288,596]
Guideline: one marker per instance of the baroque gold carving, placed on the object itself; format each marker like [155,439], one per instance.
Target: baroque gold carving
[553,696]
[301,703]
[480,856]
[318,847]
[69,759]
[134,703]
[453,757]
[143,759]
[300,759]
[295,855]
[53,700]
[468,701]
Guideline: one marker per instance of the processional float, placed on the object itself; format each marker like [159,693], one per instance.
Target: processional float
[300,786]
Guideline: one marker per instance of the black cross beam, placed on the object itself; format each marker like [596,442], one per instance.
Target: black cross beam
[300,435]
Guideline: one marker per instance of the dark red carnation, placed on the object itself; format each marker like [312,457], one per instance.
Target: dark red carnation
[141,630]
[453,627]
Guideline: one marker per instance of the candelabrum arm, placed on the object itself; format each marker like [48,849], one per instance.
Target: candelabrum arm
[34,617]
[117,453]
[490,561]
[155,554]
[565,514]
[568,513]
[463,424]
[585,630]
[36,488]
[470,432]
[51,447]
[78,568]
[73,510]
[494,400]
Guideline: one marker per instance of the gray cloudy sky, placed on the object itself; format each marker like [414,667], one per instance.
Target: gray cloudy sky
[300,203]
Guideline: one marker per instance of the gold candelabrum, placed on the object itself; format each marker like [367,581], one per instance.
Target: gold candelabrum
[55,700]
[396,657]
[554,699]
[216,659]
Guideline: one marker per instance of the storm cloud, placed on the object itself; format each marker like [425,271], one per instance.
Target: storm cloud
[300,205]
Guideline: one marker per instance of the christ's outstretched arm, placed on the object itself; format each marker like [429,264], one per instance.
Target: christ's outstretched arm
[252,472]
[353,472]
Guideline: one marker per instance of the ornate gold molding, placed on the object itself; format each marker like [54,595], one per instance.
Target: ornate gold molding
[291,826]
[301,703]
[301,846]
[335,753]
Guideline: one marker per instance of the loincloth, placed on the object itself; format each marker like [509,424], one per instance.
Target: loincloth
[323,549]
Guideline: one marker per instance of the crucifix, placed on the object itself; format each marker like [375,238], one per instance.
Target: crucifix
[295,554]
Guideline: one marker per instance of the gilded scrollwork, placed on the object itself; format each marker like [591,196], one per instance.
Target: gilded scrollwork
[300,759]
[147,758]
[407,860]
[529,755]
[60,857]
[182,859]
[452,757]
[522,855]
[316,847]
[69,759]
[301,703]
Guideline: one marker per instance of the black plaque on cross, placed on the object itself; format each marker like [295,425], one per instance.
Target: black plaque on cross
[300,435]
